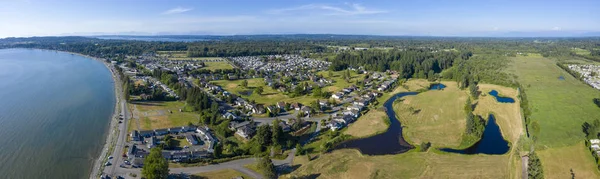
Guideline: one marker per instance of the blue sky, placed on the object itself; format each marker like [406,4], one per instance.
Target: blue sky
[228,17]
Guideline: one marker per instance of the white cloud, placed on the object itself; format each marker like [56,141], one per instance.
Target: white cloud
[177,10]
[349,9]
[556,28]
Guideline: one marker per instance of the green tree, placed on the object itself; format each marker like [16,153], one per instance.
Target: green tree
[155,165]
[218,150]
[245,83]
[534,169]
[259,90]
[263,135]
[330,74]
[266,166]
[299,149]
[276,132]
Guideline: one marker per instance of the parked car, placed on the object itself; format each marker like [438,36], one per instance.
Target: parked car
[107,164]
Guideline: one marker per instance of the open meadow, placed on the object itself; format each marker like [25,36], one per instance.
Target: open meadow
[435,116]
[225,173]
[340,82]
[158,114]
[560,106]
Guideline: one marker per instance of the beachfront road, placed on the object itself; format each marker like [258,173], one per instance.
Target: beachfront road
[120,145]
[237,165]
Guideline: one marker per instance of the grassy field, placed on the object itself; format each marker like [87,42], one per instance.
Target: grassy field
[269,95]
[441,121]
[341,83]
[226,173]
[351,164]
[560,107]
[508,115]
[435,116]
[217,65]
[155,115]
[579,51]
[558,162]
[372,123]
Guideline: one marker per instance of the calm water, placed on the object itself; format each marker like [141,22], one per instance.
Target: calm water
[500,98]
[437,86]
[389,142]
[54,113]
[491,142]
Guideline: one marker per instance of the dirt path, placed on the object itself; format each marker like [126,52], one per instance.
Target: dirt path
[524,162]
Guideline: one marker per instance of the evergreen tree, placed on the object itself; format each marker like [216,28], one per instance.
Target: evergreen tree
[155,165]
[266,166]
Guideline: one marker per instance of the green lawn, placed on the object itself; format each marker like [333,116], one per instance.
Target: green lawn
[155,114]
[217,65]
[219,174]
[269,95]
[559,106]
[341,83]
[580,51]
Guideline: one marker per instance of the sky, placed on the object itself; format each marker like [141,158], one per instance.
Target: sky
[23,18]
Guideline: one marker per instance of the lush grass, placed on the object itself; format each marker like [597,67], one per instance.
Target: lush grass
[580,51]
[558,162]
[254,167]
[435,116]
[182,142]
[269,95]
[351,164]
[155,114]
[226,173]
[217,65]
[374,122]
[560,107]
[508,115]
[341,83]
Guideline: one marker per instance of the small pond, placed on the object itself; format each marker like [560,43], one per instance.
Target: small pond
[561,78]
[437,86]
[491,142]
[501,98]
[246,93]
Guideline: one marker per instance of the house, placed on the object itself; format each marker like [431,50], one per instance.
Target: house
[188,128]
[595,147]
[594,141]
[147,133]
[323,103]
[240,101]
[296,106]
[135,136]
[338,95]
[235,125]
[281,105]
[258,109]
[284,126]
[361,102]
[306,109]
[334,125]
[160,132]
[176,130]
[191,139]
[166,155]
[271,109]
[229,115]
[200,154]
[152,142]
[355,107]
[179,155]
[245,132]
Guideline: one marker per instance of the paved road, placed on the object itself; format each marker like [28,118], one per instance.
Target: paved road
[120,145]
[237,165]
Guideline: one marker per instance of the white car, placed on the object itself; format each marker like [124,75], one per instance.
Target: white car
[110,157]
[107,164]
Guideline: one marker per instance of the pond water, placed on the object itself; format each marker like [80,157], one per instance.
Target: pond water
[561,78]
[437,86]
[389,142]
[491,142]
[246,93]
[501,98]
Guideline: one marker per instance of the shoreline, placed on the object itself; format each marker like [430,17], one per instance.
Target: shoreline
[113,130]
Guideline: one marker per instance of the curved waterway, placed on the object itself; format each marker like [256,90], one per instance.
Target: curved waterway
[54,113]
[389,142]
[491,142]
